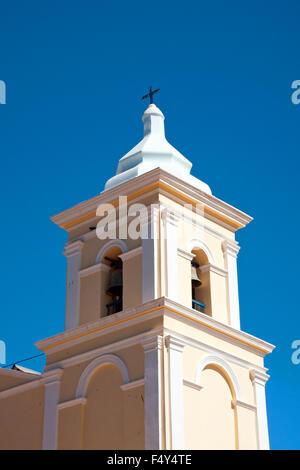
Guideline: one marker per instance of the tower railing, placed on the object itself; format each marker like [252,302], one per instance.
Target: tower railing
[198,306]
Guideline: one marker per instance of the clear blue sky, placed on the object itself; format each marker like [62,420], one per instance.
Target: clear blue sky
[75,72]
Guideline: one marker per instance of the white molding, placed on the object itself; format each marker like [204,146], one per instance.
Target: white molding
[108,348]
[213,269]
[154,308]
[150,254]
[212,351]
[73,248]
[111,243]
[230,247]
[70,403]
[242,404]
[153,401]
[170,224]
[73,253]
[95,364]
[131,254]
[133,384]
[185,254]
[259,380]
[222,364]
[231,250]
[175,350]
[220,207]
[51,380]
[193,385]
[197,244]
[94,269]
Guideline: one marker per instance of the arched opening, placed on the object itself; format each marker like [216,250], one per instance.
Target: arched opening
[200,282]
[114,282]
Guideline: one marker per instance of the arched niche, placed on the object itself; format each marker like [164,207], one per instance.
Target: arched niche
[103,418]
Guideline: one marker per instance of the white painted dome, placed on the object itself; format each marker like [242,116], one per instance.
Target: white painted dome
[154,151]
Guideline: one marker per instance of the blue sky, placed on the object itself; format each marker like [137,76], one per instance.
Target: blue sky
[75,73]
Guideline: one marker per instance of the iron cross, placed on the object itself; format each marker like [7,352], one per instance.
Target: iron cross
[150,94]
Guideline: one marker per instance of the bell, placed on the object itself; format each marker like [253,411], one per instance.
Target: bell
[116,283]
[196,282]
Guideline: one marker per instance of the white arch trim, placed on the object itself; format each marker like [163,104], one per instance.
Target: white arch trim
[94,365]
[120,243]
[218,361]
[196,243]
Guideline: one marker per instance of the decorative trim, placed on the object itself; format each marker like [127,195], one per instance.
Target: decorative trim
[108,348]
[232,248]
[258,377]
[131,254]
[243,404]
[174,343]
[211,350]
[120,243]
[193,385]
[67,219]
[70,403]
[218,361]
[175,350]
[214,269]
[133,384]
[51,380]
[153,404]
[153,308]
[259,380]
[95,364]
[73,248]
[94,269]
[185,254]
[196,243]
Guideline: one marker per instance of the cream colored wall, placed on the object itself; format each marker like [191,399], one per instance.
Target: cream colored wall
[110,419]
[103,420]
[21,420]
[133,281]
[209,418]
[213,338]
[81,427]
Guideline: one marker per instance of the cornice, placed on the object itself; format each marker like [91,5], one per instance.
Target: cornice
[155,179]
[152,309]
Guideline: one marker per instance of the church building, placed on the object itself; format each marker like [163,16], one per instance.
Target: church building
[152,355]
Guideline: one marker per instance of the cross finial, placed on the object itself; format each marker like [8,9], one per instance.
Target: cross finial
[150,94]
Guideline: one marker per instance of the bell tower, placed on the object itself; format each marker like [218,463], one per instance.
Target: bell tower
[153,355]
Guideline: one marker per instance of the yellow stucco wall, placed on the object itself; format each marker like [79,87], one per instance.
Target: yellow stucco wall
[21,420]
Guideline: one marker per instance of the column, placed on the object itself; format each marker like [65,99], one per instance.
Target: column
[153,419]
[73,254]
[150,236]
[51,381]
[176,412]
[231,250]
[170,220]
[259,380]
